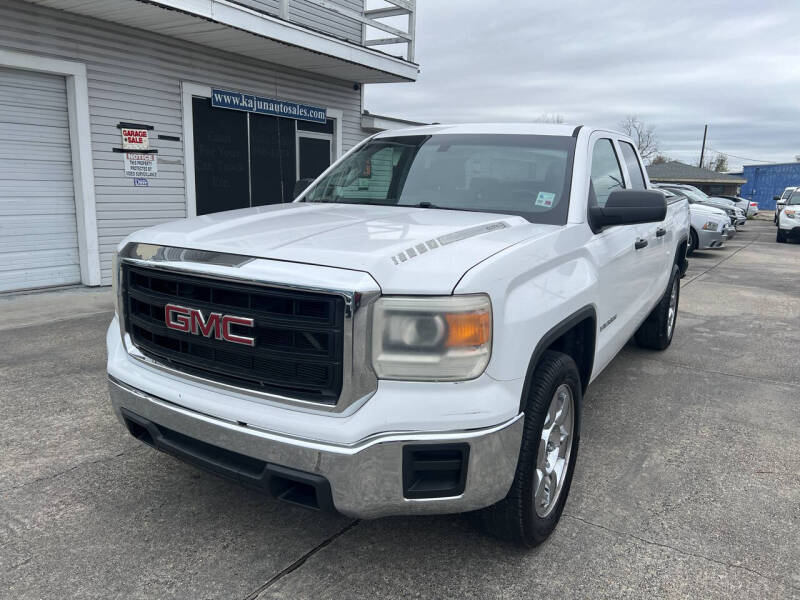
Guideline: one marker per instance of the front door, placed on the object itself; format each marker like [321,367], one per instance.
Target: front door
[655,260]
[614,250]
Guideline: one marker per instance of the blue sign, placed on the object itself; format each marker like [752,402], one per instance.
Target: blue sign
[267,106]
[140,182]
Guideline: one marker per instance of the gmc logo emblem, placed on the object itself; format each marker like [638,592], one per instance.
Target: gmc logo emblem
[217,325]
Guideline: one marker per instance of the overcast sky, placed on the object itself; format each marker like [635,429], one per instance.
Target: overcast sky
[676,64]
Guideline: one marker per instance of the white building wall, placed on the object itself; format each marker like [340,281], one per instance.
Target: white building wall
[311,15]
[136,76]
[314,16]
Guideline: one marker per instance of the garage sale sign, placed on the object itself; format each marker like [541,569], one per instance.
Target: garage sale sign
[138,164]
[134,139]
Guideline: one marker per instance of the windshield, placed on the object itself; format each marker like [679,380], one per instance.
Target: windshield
[525,175]
[691,194]
[720,200]
[699,194]
[794,199]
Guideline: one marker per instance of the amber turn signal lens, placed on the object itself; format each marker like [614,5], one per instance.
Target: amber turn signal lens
[467,329]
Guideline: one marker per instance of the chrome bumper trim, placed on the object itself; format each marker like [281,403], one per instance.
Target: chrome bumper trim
[365,477]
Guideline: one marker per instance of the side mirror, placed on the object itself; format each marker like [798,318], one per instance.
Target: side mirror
[776,198]
[301,185]
[628,207]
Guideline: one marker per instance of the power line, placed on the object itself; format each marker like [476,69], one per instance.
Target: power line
[740,157]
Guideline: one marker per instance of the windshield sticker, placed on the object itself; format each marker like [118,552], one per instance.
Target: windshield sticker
[545,199]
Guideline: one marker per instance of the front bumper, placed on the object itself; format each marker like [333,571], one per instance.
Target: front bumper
[366,478]
[792,231]
[711,239]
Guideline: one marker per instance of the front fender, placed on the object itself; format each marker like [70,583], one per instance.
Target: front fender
[534,286]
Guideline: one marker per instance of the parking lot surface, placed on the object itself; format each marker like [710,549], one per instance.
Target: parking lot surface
[687,483]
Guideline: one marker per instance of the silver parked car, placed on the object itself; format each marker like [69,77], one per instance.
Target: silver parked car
[749,207]
[695,195]
[709,227]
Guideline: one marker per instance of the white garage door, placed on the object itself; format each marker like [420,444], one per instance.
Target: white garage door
[38,233]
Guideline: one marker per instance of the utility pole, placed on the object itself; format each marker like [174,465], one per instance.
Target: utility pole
[703,150]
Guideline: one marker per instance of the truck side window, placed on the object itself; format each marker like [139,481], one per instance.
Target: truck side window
[606,173]
[632,163]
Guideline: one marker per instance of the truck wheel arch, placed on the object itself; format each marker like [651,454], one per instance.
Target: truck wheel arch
[681,255]
[576,335]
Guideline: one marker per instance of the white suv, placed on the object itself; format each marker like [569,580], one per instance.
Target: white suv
[789,218]
[780,201]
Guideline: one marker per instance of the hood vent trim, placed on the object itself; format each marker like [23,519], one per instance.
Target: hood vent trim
[445,240]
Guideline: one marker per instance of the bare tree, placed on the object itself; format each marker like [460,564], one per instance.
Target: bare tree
[643,136]
[549,118]
[660,159]
[718,163]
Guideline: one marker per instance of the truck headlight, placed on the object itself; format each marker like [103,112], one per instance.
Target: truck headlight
[436,338]
[789,212]
[710,226]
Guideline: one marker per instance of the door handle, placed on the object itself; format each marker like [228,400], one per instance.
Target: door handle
[640,243]
[661,231]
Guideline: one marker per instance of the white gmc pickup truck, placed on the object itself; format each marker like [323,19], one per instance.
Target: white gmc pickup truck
[414,334]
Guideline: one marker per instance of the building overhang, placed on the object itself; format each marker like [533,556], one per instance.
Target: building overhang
[376,123]
[240,30]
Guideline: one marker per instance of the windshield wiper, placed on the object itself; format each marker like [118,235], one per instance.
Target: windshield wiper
[426,204]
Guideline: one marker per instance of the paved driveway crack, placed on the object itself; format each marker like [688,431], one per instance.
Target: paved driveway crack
[716,372]
[682,552]
[300,561]
[65,471]
[714,266]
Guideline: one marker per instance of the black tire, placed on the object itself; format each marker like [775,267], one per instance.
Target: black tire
[656,332]
[781,237]
[515,517]
[692,242]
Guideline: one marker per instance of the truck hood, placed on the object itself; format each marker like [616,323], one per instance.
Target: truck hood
[406,250]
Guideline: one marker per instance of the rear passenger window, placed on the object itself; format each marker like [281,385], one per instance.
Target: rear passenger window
[606,174]
[632,163]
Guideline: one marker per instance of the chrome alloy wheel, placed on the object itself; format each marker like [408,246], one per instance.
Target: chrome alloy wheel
[555,446]
[673,307]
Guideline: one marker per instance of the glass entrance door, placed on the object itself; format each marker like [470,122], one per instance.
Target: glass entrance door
[314,156]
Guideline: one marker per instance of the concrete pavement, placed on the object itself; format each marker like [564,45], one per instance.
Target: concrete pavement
[687,483]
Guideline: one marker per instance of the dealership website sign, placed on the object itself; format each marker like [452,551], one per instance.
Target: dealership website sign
[140,165]
[267,106]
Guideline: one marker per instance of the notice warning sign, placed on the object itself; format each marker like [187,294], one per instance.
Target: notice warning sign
[141,165]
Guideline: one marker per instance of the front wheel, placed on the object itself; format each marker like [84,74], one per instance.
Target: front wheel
[781,239]
[533,506]
[656,331]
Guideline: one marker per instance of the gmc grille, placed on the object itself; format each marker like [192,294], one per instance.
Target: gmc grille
[298,335]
